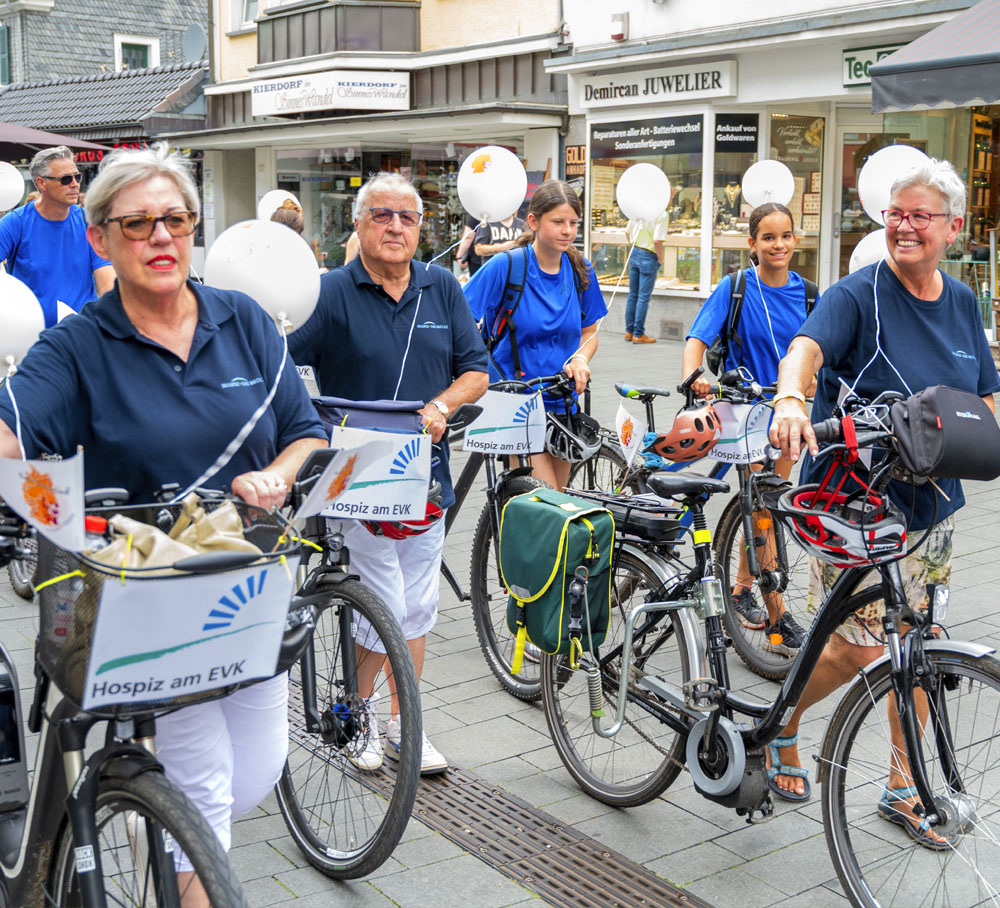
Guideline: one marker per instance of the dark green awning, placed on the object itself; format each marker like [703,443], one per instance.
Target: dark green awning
[954,65]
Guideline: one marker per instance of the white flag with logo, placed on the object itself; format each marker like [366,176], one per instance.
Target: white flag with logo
[630,433]
[509,424]
[48,494]
[744,432]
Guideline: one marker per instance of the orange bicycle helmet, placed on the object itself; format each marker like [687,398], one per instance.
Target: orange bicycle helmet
[693,434]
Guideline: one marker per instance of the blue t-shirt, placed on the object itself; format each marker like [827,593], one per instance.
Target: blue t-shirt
[357,337]
[939,342]
[144,416]
[765,340]
[54,258]
[548,319]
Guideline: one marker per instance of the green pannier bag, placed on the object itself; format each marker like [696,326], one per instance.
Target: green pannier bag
[547,540]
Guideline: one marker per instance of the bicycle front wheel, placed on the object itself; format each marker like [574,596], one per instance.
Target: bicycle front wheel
[606,471]
[750,637]
[347,820]
[489,601]
[141,823]
[879,863]
[644,758]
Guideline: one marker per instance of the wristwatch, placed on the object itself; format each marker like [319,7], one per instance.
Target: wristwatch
[442,406]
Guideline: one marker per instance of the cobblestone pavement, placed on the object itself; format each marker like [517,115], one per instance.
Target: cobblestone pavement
[687,840]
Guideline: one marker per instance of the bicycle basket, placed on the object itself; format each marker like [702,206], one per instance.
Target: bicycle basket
[160,612]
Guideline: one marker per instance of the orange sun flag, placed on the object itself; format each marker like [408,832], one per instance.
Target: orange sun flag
[342,479]
[628,427]
[480,162]
[41,497]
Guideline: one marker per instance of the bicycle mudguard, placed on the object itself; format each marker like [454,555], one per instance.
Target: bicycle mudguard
[964,647]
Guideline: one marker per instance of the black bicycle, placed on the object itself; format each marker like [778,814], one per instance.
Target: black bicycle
[928,710]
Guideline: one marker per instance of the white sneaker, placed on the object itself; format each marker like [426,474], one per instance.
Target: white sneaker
[431,761]
[366,751]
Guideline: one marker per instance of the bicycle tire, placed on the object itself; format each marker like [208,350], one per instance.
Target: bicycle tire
[347,821]
[878,863]
[645,757]
[130,879]
[751,642]
[489,600]
[606,471]
[23,572]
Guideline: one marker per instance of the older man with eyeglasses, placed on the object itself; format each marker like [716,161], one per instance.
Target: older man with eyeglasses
[387,327]
[44,243]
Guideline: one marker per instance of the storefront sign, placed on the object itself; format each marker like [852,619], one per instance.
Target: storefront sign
[656,86]
[333,90]
[797,140]
[857,60]
[735,132]
[576,161]
[639,138]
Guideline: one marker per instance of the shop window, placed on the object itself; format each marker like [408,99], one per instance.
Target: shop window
[736,140]
[798,142]
[136,52]
[4,54]
[674,144]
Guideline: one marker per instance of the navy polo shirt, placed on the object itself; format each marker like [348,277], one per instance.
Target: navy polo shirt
[144,416]
[356,339]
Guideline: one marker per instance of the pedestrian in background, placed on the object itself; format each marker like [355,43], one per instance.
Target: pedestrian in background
[643,266]
[497,236]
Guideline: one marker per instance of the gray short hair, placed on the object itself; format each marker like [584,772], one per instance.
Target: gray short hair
[42,161]
[125,166]
[938,175]
[384,182]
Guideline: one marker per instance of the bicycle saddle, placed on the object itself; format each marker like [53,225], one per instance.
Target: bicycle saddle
[679,485]
[643,394]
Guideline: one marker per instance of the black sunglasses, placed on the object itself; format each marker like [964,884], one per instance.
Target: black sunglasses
[66,179]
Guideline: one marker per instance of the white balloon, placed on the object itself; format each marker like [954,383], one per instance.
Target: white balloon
[11,186]
[271,201]
[270,263]
[870,250]
[643,192]
[21,319]
[768,181]
[881,170]
[492,183]
[63,310]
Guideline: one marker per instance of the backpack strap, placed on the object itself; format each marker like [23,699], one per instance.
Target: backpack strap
[737,287]
[812,294]
[513,290]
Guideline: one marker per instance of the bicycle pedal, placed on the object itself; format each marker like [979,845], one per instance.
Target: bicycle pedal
[757,815]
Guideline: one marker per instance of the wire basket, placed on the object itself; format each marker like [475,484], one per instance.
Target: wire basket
[70,590]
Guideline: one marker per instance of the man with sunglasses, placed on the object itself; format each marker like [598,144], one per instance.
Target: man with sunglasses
[389,328]
[44,243]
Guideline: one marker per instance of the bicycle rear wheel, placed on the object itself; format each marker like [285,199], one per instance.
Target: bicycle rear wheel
[606,471]
[139,823]
[489,601]
[751,639]
[345,820]
[877,862]
[644,758]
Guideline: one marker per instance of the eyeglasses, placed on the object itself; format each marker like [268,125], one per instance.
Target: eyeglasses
[141,226]
[918,220]
[66,179]
[406,218]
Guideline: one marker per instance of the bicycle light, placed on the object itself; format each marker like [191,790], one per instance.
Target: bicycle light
[938,596]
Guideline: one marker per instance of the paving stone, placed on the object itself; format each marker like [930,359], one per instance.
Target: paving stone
[802,866]
[427,850]
[684,867]
[267,891]
[763,838]
[732,888]
[470,882]
[260,859]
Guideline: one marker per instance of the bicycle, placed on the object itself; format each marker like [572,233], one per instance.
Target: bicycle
[677,708]
[345,820]
[487,593]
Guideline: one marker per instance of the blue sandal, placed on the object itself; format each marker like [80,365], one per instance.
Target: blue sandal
[917,829]
[779,769]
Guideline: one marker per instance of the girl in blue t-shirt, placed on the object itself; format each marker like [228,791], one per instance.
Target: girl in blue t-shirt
[774,308]
[556,319]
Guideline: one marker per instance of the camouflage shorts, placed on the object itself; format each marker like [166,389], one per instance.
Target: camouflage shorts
[930,564]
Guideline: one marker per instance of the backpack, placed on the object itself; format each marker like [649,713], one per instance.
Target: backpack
[555,561]
[513,290]
[717,354]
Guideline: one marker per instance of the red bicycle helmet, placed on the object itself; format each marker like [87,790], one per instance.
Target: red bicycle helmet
[693,434]
[845,530]
[404,529]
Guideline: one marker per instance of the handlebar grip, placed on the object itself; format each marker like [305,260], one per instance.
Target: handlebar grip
[828,430]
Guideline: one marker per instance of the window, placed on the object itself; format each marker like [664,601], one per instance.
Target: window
[4,54]
[243,14]
[136,52]
[735,150]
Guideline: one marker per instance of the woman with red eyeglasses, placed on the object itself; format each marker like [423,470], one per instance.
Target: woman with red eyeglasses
[900,324]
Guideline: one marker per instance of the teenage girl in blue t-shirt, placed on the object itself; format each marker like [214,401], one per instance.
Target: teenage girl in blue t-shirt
[774,308]
[556,324]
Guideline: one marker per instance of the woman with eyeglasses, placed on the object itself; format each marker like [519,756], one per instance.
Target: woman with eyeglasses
[145,379]
[903,325]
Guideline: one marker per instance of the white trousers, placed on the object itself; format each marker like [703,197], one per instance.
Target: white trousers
[226,755]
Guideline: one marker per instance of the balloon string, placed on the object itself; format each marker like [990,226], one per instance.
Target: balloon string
[611,302]
[440,254]
[11,369]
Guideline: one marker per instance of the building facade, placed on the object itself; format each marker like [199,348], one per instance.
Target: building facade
[705,90]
